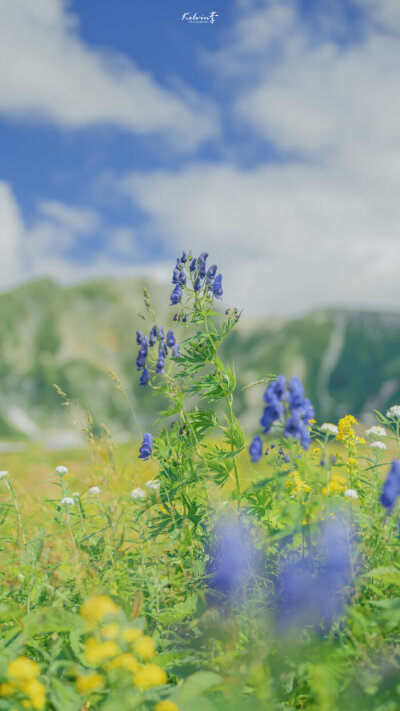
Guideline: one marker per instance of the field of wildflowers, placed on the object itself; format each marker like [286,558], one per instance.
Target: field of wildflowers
[208,569]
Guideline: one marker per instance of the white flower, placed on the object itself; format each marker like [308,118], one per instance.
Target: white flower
[3,475]
[376,431]
[76,494]
[393,411]
[329,427]
[61,470]
[151,484]
[67,501]
[138,493]
[351,494]
[378,445]
[94,490]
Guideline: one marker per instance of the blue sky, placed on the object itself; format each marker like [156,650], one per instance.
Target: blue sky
[269,138]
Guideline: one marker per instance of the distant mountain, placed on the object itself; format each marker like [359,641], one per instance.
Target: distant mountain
[348,360]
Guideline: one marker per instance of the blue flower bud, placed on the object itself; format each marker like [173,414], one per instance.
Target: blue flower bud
[146,447]
[255,449]
[175,276]
[171,340]
[182,279]
[176,295]
[202,267]
[152,339]
[145,377]
[197,284]
[217,287]
[175,351]
[193,265]
[165,349]
[184,257]
[139,336]
[212,271]
[141,358]
[160,363]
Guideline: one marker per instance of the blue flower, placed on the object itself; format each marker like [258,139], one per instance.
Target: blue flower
[272,412]
[160,363]
[184,257]
[145,377]
[139,337]
[146,447]
[312,587]
[171,340]
[175,276]
[233,561]
[175,351]
[201,264]
[197,284]
[193,265]
[211,272]
[152,338]
[255,449]
[141,358]
[391,487]
[176,295]
[217,287]
[182,279]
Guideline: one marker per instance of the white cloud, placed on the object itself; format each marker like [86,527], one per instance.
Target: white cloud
[11,233]
[78,219]
[320,228]
[47,72]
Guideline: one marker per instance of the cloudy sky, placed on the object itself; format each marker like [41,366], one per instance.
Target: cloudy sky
[270,138]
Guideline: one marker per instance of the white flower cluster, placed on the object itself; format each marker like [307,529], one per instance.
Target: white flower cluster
[378,445]
[376,431]
[151,484]
[61,470]
[329,427]
[393,411]
[138,493]
[67,501]
[94,491]
[351,494]
[3,475]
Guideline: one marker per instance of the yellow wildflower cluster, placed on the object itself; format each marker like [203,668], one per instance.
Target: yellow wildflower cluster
[346,431]
[166,705]
[97,608]
[297,486]
[22,674]
[116,648]
[337,485]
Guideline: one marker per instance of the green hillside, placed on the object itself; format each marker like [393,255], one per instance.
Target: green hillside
[349,361]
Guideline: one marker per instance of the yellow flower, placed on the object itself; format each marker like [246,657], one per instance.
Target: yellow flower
[166,705]
[144,647]
[131,634]
[337,485]
[149,675]
[298,486]
[125,661]
[346,430]
[6,689]
[97,652]
[97,607]
[111,631]
[23,669]
[89,683]
[36,692]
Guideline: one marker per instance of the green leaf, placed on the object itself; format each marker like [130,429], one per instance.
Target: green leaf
[387,574]
[195,685]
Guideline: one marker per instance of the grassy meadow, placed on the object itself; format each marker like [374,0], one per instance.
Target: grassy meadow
[201,567]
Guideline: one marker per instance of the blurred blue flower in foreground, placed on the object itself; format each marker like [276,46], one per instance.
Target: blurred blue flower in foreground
[233,561]
[312,588]
[391,487]
[146,447]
